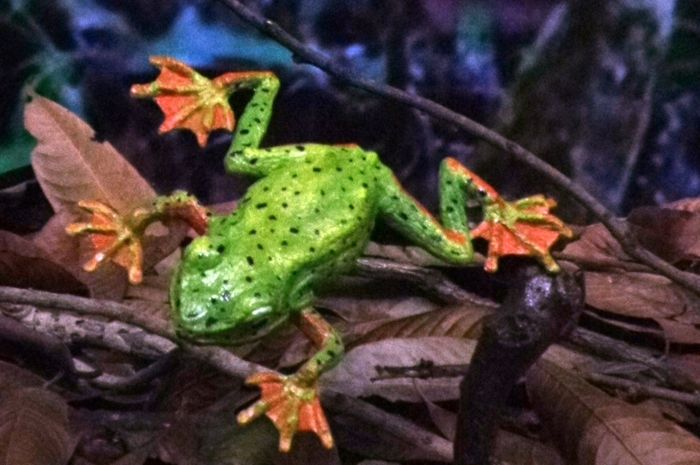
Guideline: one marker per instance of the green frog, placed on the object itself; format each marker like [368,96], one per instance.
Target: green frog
[301,224]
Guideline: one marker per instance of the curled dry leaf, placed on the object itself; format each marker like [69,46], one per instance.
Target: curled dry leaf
[593,428]
[72,166]
[34,428]
[596,248]
[24,264]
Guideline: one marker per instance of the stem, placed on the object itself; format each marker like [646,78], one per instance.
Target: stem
[618,228]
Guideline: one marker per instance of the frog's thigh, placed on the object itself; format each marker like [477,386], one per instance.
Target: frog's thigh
[259,161]
[450,242]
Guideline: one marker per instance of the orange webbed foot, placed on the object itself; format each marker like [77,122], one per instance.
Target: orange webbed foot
[192,101]
[111,237]
[119,238]
[292,404]
[523,227]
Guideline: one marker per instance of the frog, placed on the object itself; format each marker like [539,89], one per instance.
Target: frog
[304,221]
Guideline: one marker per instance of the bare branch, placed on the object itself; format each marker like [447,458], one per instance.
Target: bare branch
[636,388]
[617,227]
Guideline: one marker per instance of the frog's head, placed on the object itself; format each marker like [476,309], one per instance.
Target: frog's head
[215,300]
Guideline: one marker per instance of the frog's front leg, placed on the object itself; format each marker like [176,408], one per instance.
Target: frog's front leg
[292,402]
[118,236]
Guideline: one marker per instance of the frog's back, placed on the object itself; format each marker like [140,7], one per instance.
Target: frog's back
[306,221]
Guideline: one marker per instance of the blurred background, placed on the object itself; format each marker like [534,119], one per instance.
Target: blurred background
[608,91]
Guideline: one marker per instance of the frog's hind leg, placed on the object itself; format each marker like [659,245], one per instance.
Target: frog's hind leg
[521,227]
[449,241]
[292,402]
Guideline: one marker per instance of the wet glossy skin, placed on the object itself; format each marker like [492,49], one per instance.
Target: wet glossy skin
[302,223]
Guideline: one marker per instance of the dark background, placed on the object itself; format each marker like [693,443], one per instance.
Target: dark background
[605,90]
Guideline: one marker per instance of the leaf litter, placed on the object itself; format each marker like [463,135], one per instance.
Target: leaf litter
[399,330]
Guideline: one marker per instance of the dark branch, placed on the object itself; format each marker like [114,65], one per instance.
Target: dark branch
[617,227]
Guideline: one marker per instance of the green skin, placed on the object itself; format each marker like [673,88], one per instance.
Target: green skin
[305,221]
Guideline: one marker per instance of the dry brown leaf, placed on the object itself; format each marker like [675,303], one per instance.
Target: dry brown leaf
[617,284]
[512,449]
[688,364]
[444,420]
[27,265]
[34,428]
[690,204]
[595,429]
[72,166]
[462,321]
[641,295]
[353,376]
[597,248]
[669,233]
[13,377]
[679,332]
[360,308]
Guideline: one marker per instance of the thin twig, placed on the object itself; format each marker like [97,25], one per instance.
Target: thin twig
[617,227]
[430,280]
[637,388]
[609,348]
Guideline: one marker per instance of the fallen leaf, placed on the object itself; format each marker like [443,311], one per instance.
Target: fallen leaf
[679,332]
[360,308]
[14,377]
[593,428]
[353,376]
[27,265]
[513,449]
[641,295]
[463,321]
[691,204]
[34,428]
[72,166]
[595,247]
[669,233]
